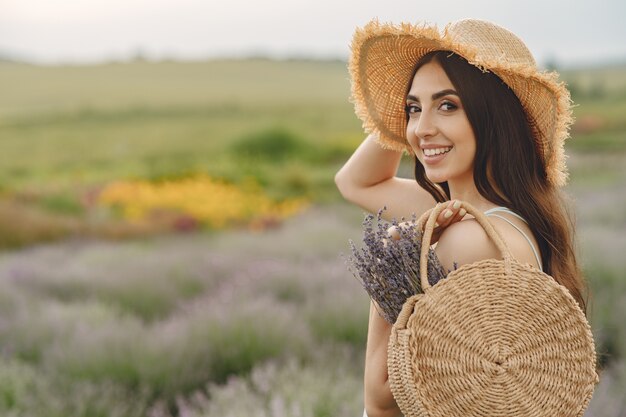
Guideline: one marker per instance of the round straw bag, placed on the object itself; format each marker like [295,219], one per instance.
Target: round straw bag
[495,338]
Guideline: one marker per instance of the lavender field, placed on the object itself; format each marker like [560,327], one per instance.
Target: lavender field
[236,323]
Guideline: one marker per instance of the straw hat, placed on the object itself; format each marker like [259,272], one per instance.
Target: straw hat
[384,56]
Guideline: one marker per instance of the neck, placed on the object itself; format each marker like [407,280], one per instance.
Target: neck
[465,190]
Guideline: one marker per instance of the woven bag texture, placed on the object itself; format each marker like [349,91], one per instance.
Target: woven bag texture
[496,338]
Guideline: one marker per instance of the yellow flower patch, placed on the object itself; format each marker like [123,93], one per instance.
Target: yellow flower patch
[211,202]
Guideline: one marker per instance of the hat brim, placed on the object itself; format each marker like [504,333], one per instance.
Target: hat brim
[382,63]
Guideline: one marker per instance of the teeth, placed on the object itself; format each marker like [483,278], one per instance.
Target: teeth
[431,152]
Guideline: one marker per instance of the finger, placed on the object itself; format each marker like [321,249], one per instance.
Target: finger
[441,222]
[446,216]
[451,213]
[407,225]
[458,214]
[457,217]
[394,232]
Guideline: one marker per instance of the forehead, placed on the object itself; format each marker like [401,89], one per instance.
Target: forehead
[429,79]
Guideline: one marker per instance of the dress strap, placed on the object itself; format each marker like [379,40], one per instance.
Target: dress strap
[506,210]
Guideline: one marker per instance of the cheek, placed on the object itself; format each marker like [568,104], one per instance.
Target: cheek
[470,153]
[411,138]
[467,140]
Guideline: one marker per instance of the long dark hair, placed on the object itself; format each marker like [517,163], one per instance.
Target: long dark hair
[507,168]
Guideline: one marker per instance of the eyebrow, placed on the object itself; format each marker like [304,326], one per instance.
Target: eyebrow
[435,96]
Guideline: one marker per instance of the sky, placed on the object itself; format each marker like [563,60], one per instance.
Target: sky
[567,32]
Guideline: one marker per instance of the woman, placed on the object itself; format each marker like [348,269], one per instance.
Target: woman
[485,127]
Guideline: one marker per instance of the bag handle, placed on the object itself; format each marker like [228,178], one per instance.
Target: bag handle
[427,220]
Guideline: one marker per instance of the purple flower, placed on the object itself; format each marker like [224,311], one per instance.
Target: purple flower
[388,269]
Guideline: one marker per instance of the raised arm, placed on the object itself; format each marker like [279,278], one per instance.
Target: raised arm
[368,179]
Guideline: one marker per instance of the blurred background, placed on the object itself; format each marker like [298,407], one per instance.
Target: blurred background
[170,231]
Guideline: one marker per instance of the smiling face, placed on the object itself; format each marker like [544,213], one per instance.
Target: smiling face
[438,129]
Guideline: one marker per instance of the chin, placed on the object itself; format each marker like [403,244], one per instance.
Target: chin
[436,178]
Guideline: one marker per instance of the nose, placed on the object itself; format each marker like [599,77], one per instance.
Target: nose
[424,126]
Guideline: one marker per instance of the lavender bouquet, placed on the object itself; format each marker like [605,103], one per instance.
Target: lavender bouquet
[388,266]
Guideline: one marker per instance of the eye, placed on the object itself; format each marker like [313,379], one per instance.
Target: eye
[448,106]
[412,109]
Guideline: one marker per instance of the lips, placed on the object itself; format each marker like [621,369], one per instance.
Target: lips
[436,158]
[436,151]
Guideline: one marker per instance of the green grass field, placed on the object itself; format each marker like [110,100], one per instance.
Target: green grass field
[99,123]
[80,125]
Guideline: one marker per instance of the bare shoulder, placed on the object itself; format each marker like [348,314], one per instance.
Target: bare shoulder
[463,243]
